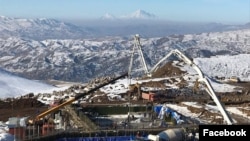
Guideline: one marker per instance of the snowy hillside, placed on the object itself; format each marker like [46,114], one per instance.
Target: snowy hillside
[82,60]
[226,66]
[222,66]
[14,86]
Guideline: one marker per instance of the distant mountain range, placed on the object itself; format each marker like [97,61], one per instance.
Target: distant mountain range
[39,29]
[140,21]
[84,59]
[50,49]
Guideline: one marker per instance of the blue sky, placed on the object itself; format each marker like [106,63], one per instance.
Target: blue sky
[223,11]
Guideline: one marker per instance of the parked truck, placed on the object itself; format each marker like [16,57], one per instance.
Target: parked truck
[150,96]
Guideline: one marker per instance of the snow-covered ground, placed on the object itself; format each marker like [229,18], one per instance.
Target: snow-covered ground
[227,66]
[13,86]
[4,135]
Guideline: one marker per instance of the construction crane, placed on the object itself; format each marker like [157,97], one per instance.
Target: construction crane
[137,46]
[202,78]
[78,96]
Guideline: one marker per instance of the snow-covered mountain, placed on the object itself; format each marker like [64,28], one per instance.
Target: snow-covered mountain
[82,60]
[222,66]
[139,14]
[222,54]
[40,29]
[108,16]
[140,21]
[226,66]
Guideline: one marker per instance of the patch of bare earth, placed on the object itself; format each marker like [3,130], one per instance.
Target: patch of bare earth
[20,108]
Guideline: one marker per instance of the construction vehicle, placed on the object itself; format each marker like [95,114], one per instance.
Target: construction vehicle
[41,116]
[204,80]
[151,97]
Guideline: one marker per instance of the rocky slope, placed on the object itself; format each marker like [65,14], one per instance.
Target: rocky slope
[83,59]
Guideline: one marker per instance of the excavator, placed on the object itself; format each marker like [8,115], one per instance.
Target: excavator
[41,116]
[204,80]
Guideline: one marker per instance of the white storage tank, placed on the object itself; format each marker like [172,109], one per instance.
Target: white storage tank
[176,134]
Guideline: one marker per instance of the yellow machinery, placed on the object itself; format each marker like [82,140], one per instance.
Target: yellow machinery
[78,96]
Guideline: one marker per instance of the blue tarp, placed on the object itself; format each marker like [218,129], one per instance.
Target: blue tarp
[161,110]
[157,109]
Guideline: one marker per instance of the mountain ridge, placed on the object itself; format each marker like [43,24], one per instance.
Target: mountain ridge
[83,59]
[40,29]
[43,28]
